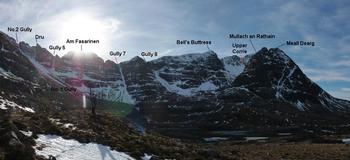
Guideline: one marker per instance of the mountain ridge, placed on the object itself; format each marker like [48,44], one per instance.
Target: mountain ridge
[201,90]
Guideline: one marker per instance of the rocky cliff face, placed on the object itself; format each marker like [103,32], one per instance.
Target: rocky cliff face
[272,75]
[85,71]
[200,90]
[273,91]
[192,90]
[30,109]
[170,89]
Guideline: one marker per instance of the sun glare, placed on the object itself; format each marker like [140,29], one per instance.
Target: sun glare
[84,26]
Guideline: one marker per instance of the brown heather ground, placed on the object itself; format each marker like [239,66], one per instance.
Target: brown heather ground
[109,130]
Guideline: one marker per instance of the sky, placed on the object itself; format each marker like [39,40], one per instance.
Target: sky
[155,25]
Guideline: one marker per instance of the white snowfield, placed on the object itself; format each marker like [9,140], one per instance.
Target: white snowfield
[185,58]
[4,104]
[63,149]
[206,86]
[232,70]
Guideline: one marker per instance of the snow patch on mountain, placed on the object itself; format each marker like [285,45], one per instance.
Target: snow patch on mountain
[280,86]
[146,157]
[300,105]
[206,86]
[327,101]
[188,92]
[232,66]
[233,71]
[64,149]
[186,58]
[63,125]
[4,104]
[172,87]
[27,133]
[283,56]
[126,96]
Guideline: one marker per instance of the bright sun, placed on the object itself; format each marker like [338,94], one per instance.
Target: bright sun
[84,26]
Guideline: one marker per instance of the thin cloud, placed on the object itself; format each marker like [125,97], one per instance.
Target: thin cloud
[325,75]
[345,89]
[341,94]
[341,63]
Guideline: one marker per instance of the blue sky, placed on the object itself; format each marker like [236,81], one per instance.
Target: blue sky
[155,25]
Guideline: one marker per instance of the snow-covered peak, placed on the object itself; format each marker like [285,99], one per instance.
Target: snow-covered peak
[187,58]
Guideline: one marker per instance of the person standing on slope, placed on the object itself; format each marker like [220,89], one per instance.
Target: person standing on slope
[93,104]
[93,101]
